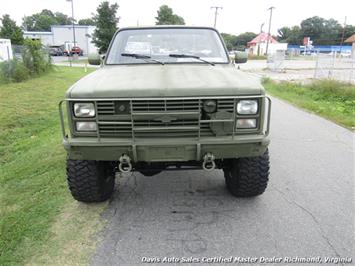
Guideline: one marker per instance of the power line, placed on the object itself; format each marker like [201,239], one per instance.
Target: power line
[216,13]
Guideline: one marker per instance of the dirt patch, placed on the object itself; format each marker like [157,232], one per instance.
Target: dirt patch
[72,236]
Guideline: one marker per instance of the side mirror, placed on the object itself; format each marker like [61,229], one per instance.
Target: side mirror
[94,59]
[241,57]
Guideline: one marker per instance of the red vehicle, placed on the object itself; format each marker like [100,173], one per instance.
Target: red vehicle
[76,50]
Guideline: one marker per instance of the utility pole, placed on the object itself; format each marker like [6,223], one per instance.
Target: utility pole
[268,32]
[73,23]
[342,36]
[216,13]
[261,27]
[261,31]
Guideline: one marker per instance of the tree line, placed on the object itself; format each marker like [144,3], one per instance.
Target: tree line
[105,21]
[321,31]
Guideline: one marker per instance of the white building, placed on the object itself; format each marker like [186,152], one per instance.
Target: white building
[45,37]
[61,34]
[257,46]
[5,50]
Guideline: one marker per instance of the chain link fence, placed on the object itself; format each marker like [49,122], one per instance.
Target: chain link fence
[17,50]
[275,61]
[332,66]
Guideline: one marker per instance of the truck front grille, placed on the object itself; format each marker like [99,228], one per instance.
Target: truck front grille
[139,119]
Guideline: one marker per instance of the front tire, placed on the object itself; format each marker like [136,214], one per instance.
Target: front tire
[247,177]
[90,181]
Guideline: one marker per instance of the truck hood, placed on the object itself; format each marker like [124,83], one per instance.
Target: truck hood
[165,81]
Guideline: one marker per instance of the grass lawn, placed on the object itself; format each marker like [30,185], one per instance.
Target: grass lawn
[256,57]
[331,99]
[39,221]
[80,61]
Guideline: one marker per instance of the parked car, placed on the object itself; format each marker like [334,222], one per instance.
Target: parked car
[185,106]
[69,48]
[55,51]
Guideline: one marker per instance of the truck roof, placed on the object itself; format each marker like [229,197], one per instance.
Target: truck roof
[166,27]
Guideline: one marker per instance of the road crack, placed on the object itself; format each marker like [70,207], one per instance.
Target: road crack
[323,234]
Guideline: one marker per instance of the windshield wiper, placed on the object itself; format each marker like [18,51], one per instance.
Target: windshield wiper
[143,57]
[191,56]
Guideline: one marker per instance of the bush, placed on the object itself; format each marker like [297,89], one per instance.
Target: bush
[332,89]
[35,58]
[35,61]
[13,71]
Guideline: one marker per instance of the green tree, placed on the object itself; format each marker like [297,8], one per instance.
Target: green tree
[243,39]
[332,32]
[321,31]
[289,35]
[9,30]
[166,16]
[238,42]
[106,25]
[43,20]
[62,19]
[229,40]
[87,22]
[349,31]
[313,27]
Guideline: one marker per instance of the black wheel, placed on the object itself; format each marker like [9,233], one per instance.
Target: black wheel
[90,181]
[247,177]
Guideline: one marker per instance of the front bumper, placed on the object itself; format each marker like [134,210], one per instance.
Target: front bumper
[168,149]
[165,151]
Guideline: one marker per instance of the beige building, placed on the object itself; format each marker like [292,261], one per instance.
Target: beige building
[351,39]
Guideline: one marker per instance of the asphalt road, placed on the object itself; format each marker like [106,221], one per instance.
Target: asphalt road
[307,210]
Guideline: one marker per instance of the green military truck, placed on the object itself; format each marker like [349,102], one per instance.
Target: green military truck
[165,98]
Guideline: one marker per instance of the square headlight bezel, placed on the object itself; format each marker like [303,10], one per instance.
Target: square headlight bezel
[75,108]
[248,100]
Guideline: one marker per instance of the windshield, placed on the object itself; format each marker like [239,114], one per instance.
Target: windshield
[160,44]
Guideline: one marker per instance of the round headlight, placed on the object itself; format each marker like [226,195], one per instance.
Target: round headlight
[84,109]
[210,106]
[247,107]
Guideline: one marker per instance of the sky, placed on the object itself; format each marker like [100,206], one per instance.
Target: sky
[237,16]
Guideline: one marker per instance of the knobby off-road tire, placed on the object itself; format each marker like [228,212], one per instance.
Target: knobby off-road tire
[247,177]
[90,181]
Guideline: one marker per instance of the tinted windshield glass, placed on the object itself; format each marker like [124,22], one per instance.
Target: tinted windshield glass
[160,43]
